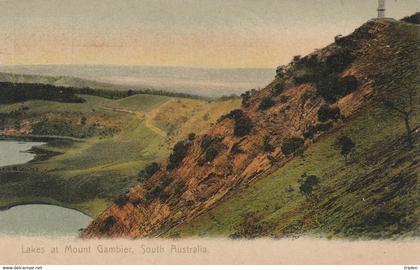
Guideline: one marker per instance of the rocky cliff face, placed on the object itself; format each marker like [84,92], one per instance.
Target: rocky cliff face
[309,97]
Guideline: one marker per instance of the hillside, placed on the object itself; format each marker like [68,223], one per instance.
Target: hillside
[95,149]
[272,168]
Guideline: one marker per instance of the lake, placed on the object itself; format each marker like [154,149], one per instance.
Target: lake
[15,152]
[35,219]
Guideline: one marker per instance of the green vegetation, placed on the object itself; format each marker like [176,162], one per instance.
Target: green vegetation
[373,196]
[178,154]
[18,92]
[243,124]
[211,148]
[266,104]
[119,139]
[326,113]
[292,146]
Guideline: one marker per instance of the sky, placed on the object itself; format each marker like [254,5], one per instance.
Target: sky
[192,33]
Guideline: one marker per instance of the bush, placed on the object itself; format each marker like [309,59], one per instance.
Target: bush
[292,145]
[211,147]
[284,99]
[243,127]
[326,113]
[267,146]
[178,154]
[246,97]
[311,131]
[350,84]
[236,149]
[415,18]
[148,172]
[339,60]
[243,124]
[308,184]
[107,224]
[266,103]
[278,89]
[121,200]
[346,145]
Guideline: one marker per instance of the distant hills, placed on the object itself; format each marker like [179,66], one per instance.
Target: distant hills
[196,81]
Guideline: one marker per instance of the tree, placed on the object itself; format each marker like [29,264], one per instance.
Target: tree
[401,103]
[292,145]
[347,146]
[308,184]
[266,103]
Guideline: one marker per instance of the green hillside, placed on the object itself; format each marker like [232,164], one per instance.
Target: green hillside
[365,196]
[113,141]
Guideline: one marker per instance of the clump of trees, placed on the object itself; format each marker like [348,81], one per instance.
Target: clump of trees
[211,146]
[243,124]
[415,18]
[159,191]
[293,145]
[148,172]
[266,103]
[326,113]
[325,74]
[178,154]
[246,97]
[20,92]
[278,89]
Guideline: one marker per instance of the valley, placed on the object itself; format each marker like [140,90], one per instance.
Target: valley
[95,149]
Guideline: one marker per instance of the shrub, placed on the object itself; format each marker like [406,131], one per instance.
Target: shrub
[339,60]
[308,184]
[121,200]
[245,98]
[326,113]
[148,172]
[415,18]
[266,103]
[178,154]
[278,89]
[211,147]
[311,131]
[243,124]
[107,224]
[346,145]
[243,127]
[267,146]
[350,84]
[236,149]
[292,145]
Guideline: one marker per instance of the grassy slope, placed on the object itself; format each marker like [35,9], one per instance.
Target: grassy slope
[353,199]
[87,175]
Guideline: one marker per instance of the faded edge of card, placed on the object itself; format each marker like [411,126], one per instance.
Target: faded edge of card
[40,250]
